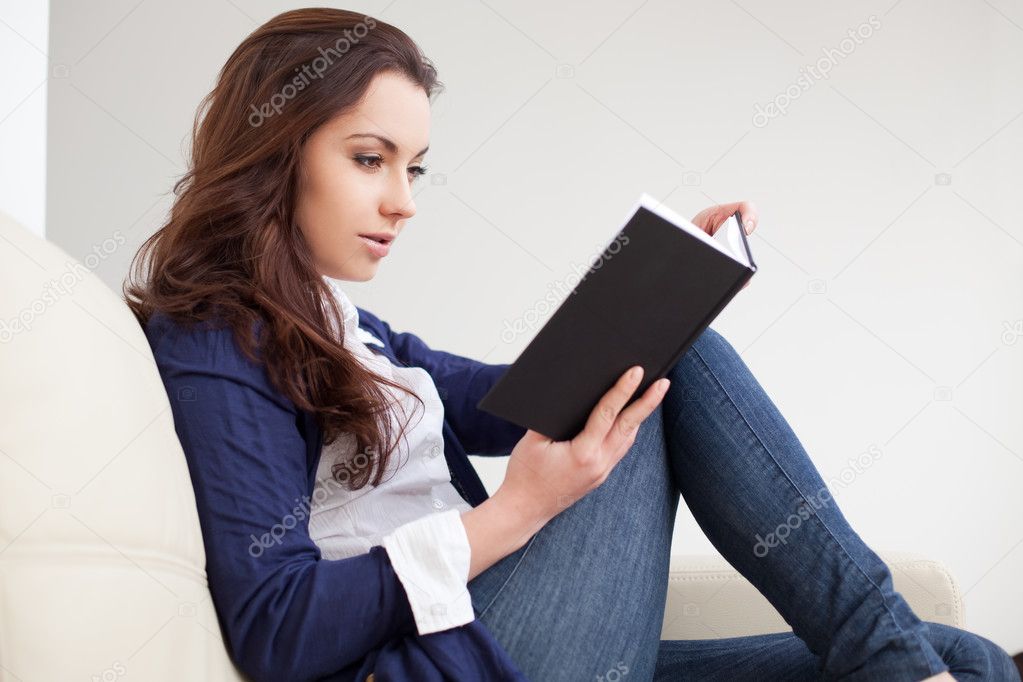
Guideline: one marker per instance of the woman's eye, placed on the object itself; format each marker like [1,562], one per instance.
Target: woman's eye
[374,161]
[368,160]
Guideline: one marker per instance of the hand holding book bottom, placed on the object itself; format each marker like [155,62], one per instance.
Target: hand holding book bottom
[545,477]
[548,476]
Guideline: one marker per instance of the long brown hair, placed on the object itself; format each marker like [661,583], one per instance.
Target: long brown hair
[230,249]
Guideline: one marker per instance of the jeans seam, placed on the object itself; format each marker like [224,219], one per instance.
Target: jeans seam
[510,575]
[884,601]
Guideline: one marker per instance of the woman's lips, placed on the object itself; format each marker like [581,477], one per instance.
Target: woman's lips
[376,248]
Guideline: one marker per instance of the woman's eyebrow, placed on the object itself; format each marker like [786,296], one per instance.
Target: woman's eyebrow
[391,147]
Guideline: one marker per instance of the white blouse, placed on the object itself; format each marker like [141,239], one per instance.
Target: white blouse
[415,512]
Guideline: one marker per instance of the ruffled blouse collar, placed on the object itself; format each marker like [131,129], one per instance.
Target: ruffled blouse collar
[350,312]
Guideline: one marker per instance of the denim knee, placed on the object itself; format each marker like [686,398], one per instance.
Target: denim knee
[971,656]
[710,338]
[706,345]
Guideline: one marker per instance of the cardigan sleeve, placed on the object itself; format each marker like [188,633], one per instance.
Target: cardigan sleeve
[461,383]
[286,612]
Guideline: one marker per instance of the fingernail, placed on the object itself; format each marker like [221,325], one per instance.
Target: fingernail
[634,372]
[662,385]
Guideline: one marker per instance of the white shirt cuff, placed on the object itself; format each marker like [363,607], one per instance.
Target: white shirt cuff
[431,559]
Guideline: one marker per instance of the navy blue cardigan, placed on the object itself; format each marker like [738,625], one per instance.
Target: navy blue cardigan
[286,613]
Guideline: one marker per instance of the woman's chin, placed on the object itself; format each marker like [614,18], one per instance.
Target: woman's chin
[360,267]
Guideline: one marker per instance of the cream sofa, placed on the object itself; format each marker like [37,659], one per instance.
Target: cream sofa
[101,558]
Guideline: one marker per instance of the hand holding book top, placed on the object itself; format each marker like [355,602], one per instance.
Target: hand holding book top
[710,219]
[659,282]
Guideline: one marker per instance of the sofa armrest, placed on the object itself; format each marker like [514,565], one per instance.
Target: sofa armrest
[708,599]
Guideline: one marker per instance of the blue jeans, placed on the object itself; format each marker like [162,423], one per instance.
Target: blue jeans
[584,598]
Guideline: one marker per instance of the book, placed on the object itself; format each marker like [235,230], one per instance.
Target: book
[657,284]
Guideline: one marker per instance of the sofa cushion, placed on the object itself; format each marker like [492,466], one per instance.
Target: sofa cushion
[708,599]
[101,554]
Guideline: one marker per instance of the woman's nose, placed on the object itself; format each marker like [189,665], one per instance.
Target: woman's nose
[399,200]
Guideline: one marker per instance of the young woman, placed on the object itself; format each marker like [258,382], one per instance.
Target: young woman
[347,535]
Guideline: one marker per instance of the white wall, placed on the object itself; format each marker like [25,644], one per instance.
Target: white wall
[24,41]
[887,312]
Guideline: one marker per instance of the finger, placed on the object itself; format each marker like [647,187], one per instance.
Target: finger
[604,414]
[719,216]
[629,420]
[750,216]
[722,212]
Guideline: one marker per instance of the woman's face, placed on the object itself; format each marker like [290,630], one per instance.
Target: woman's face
[356,176]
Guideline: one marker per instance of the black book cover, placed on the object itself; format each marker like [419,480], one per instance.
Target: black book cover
[644,301]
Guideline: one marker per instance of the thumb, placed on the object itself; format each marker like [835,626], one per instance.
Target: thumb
[536,437]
